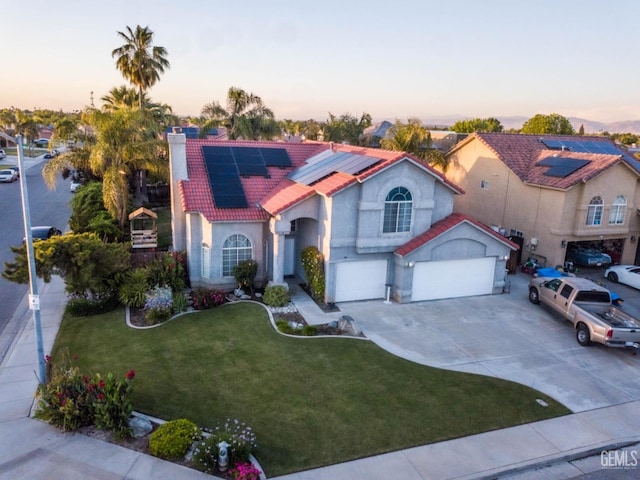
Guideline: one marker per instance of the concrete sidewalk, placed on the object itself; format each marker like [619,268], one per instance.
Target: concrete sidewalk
[32,449]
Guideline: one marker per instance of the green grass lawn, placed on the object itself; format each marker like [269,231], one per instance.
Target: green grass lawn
[26,151]
[311,401]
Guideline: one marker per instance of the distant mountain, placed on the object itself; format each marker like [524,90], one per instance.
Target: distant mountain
[516,122]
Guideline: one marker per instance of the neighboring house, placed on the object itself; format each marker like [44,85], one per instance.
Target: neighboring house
[550,192]
[379,218]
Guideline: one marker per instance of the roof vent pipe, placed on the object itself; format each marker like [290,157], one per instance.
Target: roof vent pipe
[331,146]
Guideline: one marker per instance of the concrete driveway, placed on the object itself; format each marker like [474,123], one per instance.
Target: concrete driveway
[506,336]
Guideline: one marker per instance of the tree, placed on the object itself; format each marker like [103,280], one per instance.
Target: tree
[413,138]
[139,61]
[88,213]
[245,117]
[581,130]
[553,124]
[85,262]
[346,128]
[478,125]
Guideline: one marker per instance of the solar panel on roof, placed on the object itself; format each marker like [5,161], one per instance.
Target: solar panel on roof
[582,145]
[345,162]
[224,179]
[275,157]
[562,166]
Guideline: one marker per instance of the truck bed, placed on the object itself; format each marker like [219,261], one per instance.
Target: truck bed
[612,315]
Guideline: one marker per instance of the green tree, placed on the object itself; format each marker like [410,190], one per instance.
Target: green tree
[84,262]
[412,137]
[553,124]
[581,130]
[139,61]
[88,213]
[245,117]
[346,128]
[625,138]
[478,125]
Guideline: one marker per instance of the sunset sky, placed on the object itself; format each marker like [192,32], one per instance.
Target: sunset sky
[399,59]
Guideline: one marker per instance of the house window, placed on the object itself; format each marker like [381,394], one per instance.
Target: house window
[515,233]
[205,262]
[236,248]
[594,214]
[617,211]
[484,184]
[397,211]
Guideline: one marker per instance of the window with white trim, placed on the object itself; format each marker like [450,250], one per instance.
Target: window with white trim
[397,211]
[594,213]
[618,209]
[484,184]
[236,249]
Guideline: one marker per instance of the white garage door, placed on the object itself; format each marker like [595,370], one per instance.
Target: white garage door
[453,278]
[360,280]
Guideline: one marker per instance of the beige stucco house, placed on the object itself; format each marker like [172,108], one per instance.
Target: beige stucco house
[550,192]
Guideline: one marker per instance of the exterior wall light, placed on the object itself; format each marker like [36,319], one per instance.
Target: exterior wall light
[563,243]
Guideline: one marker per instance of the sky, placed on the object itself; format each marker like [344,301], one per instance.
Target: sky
[392,59]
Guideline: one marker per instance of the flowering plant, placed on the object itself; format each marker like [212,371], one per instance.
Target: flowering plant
[245,471]
[159,304]
[205,298]
[240,437]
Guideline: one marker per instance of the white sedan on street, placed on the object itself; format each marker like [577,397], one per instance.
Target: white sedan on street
[627,274]
[8,175]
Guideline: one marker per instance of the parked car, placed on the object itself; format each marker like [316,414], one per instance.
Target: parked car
[43,233]
[627,274]
[7,175]
[75,185]
[2,154]
[41,142]
[588,257]
[15,169]
[51,154]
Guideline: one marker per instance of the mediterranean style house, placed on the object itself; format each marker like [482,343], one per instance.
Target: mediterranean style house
[382,220]
[551,193]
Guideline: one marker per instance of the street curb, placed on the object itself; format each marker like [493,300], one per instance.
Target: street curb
[550,460]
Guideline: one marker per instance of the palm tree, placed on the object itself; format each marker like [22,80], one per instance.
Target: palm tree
[245,117]
[139,61]
[413,138]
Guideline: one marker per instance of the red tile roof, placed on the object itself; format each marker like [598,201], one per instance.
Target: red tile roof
[521,153]
[445,225]
[271,196]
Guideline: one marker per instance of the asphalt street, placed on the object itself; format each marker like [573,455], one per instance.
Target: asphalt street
[47,207]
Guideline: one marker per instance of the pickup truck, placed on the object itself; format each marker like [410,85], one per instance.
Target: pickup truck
[588,306]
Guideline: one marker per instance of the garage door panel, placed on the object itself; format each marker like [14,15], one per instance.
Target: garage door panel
[360,280]
[453,278]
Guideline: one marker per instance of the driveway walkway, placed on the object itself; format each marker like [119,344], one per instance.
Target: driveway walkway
[508,337]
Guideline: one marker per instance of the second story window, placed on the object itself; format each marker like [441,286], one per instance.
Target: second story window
[397,211]
[616,217]
[594,213]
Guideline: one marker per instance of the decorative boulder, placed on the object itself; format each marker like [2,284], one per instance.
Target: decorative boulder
[348,326]
[140,426]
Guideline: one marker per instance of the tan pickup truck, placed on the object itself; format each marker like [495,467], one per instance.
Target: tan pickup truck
[588,306]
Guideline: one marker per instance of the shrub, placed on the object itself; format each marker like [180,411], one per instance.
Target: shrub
[245,273]
[86,304]
[159,305]
[205,298]
[309,330]
[284,327]
[276,296]
[112,404]
[239,436]
[172,439]
[179,302]
[133,289]
[169,269]
[313,264]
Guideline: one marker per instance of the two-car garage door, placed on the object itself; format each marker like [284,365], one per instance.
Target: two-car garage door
[453,278]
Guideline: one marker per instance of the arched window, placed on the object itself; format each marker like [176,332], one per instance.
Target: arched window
[618,208]
[236,248]
[594,214]
[397,211]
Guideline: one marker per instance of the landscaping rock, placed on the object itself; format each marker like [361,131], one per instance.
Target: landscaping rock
[245,297]
[140,426]
[348,326]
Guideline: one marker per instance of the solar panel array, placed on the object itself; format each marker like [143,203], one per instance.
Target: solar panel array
[325,164]
[582,145]
[226,165]
[562,166]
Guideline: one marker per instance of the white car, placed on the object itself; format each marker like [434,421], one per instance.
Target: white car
[2,154]
[8,176]
[75,185]
[627,274]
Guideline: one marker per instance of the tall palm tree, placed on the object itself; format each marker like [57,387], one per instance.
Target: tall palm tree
[139,61]
[413,138]
[245,116]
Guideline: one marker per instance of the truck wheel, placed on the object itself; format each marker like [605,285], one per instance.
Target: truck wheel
[533,295]
[583,336]
[613,277]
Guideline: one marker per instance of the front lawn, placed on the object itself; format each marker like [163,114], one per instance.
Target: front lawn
[311,401]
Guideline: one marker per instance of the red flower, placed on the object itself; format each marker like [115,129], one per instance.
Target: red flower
[130,374]
[47,358]
[100,396]
[101,384]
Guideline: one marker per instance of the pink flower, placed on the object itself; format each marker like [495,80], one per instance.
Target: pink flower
[130,374]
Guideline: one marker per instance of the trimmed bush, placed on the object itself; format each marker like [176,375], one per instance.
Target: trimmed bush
[245,273]
[86,305]
[172,439]
[313,264]
[276,296]
[205,298]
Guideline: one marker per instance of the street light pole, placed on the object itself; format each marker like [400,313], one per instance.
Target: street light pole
[34,298]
